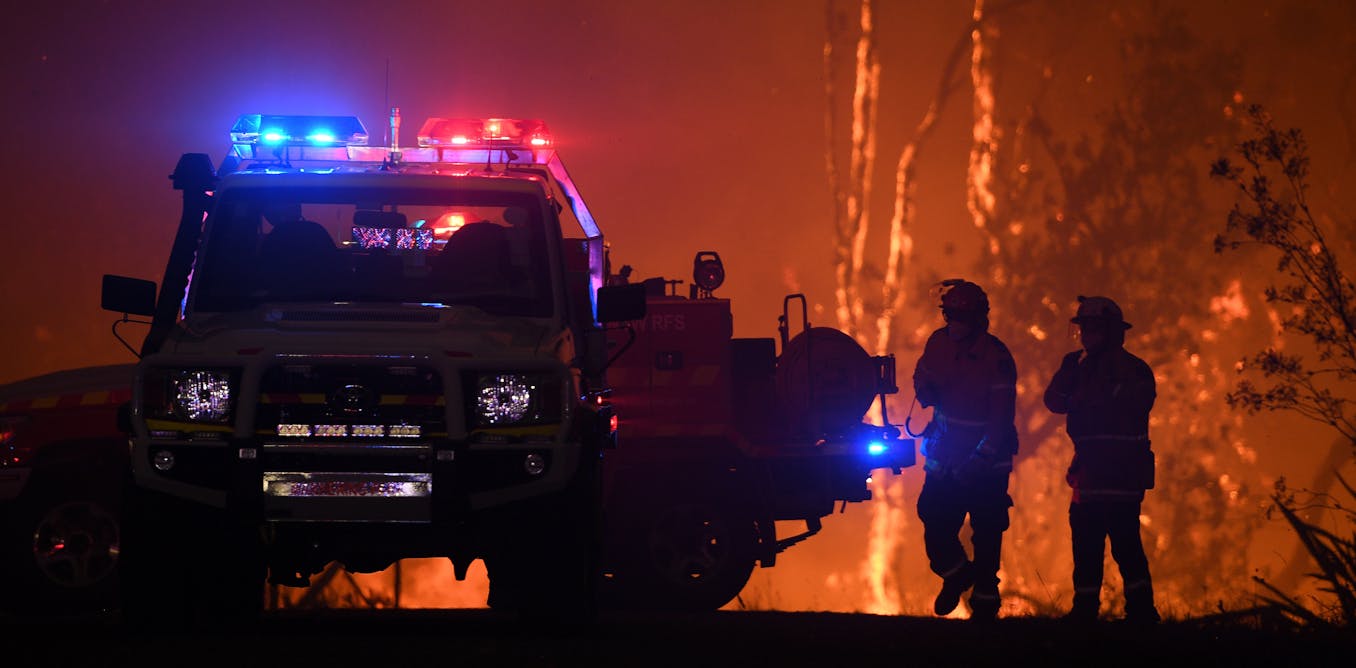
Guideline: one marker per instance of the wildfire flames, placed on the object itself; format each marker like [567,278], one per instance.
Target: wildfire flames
[411,583]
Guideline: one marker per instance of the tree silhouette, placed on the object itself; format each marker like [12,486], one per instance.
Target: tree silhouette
[1317,298]
[1317,301]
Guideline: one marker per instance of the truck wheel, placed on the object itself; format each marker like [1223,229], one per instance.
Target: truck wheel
[187,566]
[549,568]
[694,556]
[62,542]
[539,578]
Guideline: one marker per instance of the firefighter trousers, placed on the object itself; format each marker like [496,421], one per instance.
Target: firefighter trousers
[943,505]
[1091,524]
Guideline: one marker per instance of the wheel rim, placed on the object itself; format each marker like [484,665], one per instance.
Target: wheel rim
[690,546]
[76,544]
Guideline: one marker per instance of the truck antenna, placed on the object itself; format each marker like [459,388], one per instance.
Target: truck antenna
[386,99]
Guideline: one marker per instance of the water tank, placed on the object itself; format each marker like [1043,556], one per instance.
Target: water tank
[825,381]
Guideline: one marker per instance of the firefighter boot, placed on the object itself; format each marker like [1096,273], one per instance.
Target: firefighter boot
[1139,607]
[952,587]
[1084,609]
[984,605]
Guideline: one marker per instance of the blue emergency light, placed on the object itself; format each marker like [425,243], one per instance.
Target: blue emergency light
[273,130]
[284,138]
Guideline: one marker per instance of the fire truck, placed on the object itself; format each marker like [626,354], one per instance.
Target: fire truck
[724,437]
[61,455]
[360,353]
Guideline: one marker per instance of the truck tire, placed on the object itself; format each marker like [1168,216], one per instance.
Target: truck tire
[688,555]
[62,543]
[186,566]
[548,568]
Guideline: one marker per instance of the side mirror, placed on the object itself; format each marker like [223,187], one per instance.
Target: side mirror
[132,296]
[620,303]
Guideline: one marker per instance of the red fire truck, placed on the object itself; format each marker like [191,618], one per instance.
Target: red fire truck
[723,437]
[360,354]
[61,461]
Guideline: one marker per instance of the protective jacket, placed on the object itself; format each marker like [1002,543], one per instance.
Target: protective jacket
[972,385]
[1107,397]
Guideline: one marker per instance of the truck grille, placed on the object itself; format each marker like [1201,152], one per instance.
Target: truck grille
[355,398]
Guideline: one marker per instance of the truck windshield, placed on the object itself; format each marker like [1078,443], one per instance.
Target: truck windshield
[266,245]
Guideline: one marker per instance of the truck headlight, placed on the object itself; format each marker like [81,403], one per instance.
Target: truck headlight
[192,395]
[502,399]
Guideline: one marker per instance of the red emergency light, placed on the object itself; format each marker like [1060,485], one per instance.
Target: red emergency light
[484,133]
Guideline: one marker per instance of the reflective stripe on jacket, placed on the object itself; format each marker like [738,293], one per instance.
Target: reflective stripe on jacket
[972,387]
[1107,398]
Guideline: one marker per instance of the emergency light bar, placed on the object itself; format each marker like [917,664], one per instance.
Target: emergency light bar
[272,137]
[484,133]
[299,130]
[344,138]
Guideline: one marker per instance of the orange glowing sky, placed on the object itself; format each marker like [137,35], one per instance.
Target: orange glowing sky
[689,125]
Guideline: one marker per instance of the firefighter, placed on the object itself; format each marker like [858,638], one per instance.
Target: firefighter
[1106,393]
[969,379]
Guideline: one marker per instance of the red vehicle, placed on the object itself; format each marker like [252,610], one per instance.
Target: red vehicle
[722,437]
[62,462]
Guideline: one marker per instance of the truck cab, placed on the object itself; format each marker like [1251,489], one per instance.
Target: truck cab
[362,353]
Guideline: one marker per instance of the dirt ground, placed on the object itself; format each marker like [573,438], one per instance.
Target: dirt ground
[724,638]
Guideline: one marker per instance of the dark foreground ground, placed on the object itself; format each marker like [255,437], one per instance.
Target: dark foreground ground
[436,638]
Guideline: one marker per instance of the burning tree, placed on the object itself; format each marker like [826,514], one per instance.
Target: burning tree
[1318,302]
[1106,207]
[1112,210]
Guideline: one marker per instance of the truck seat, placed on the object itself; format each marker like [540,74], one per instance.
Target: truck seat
[298,258]
[476,255]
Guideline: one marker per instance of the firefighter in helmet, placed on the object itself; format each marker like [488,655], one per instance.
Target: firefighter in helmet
[1106,393]
[969,379]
